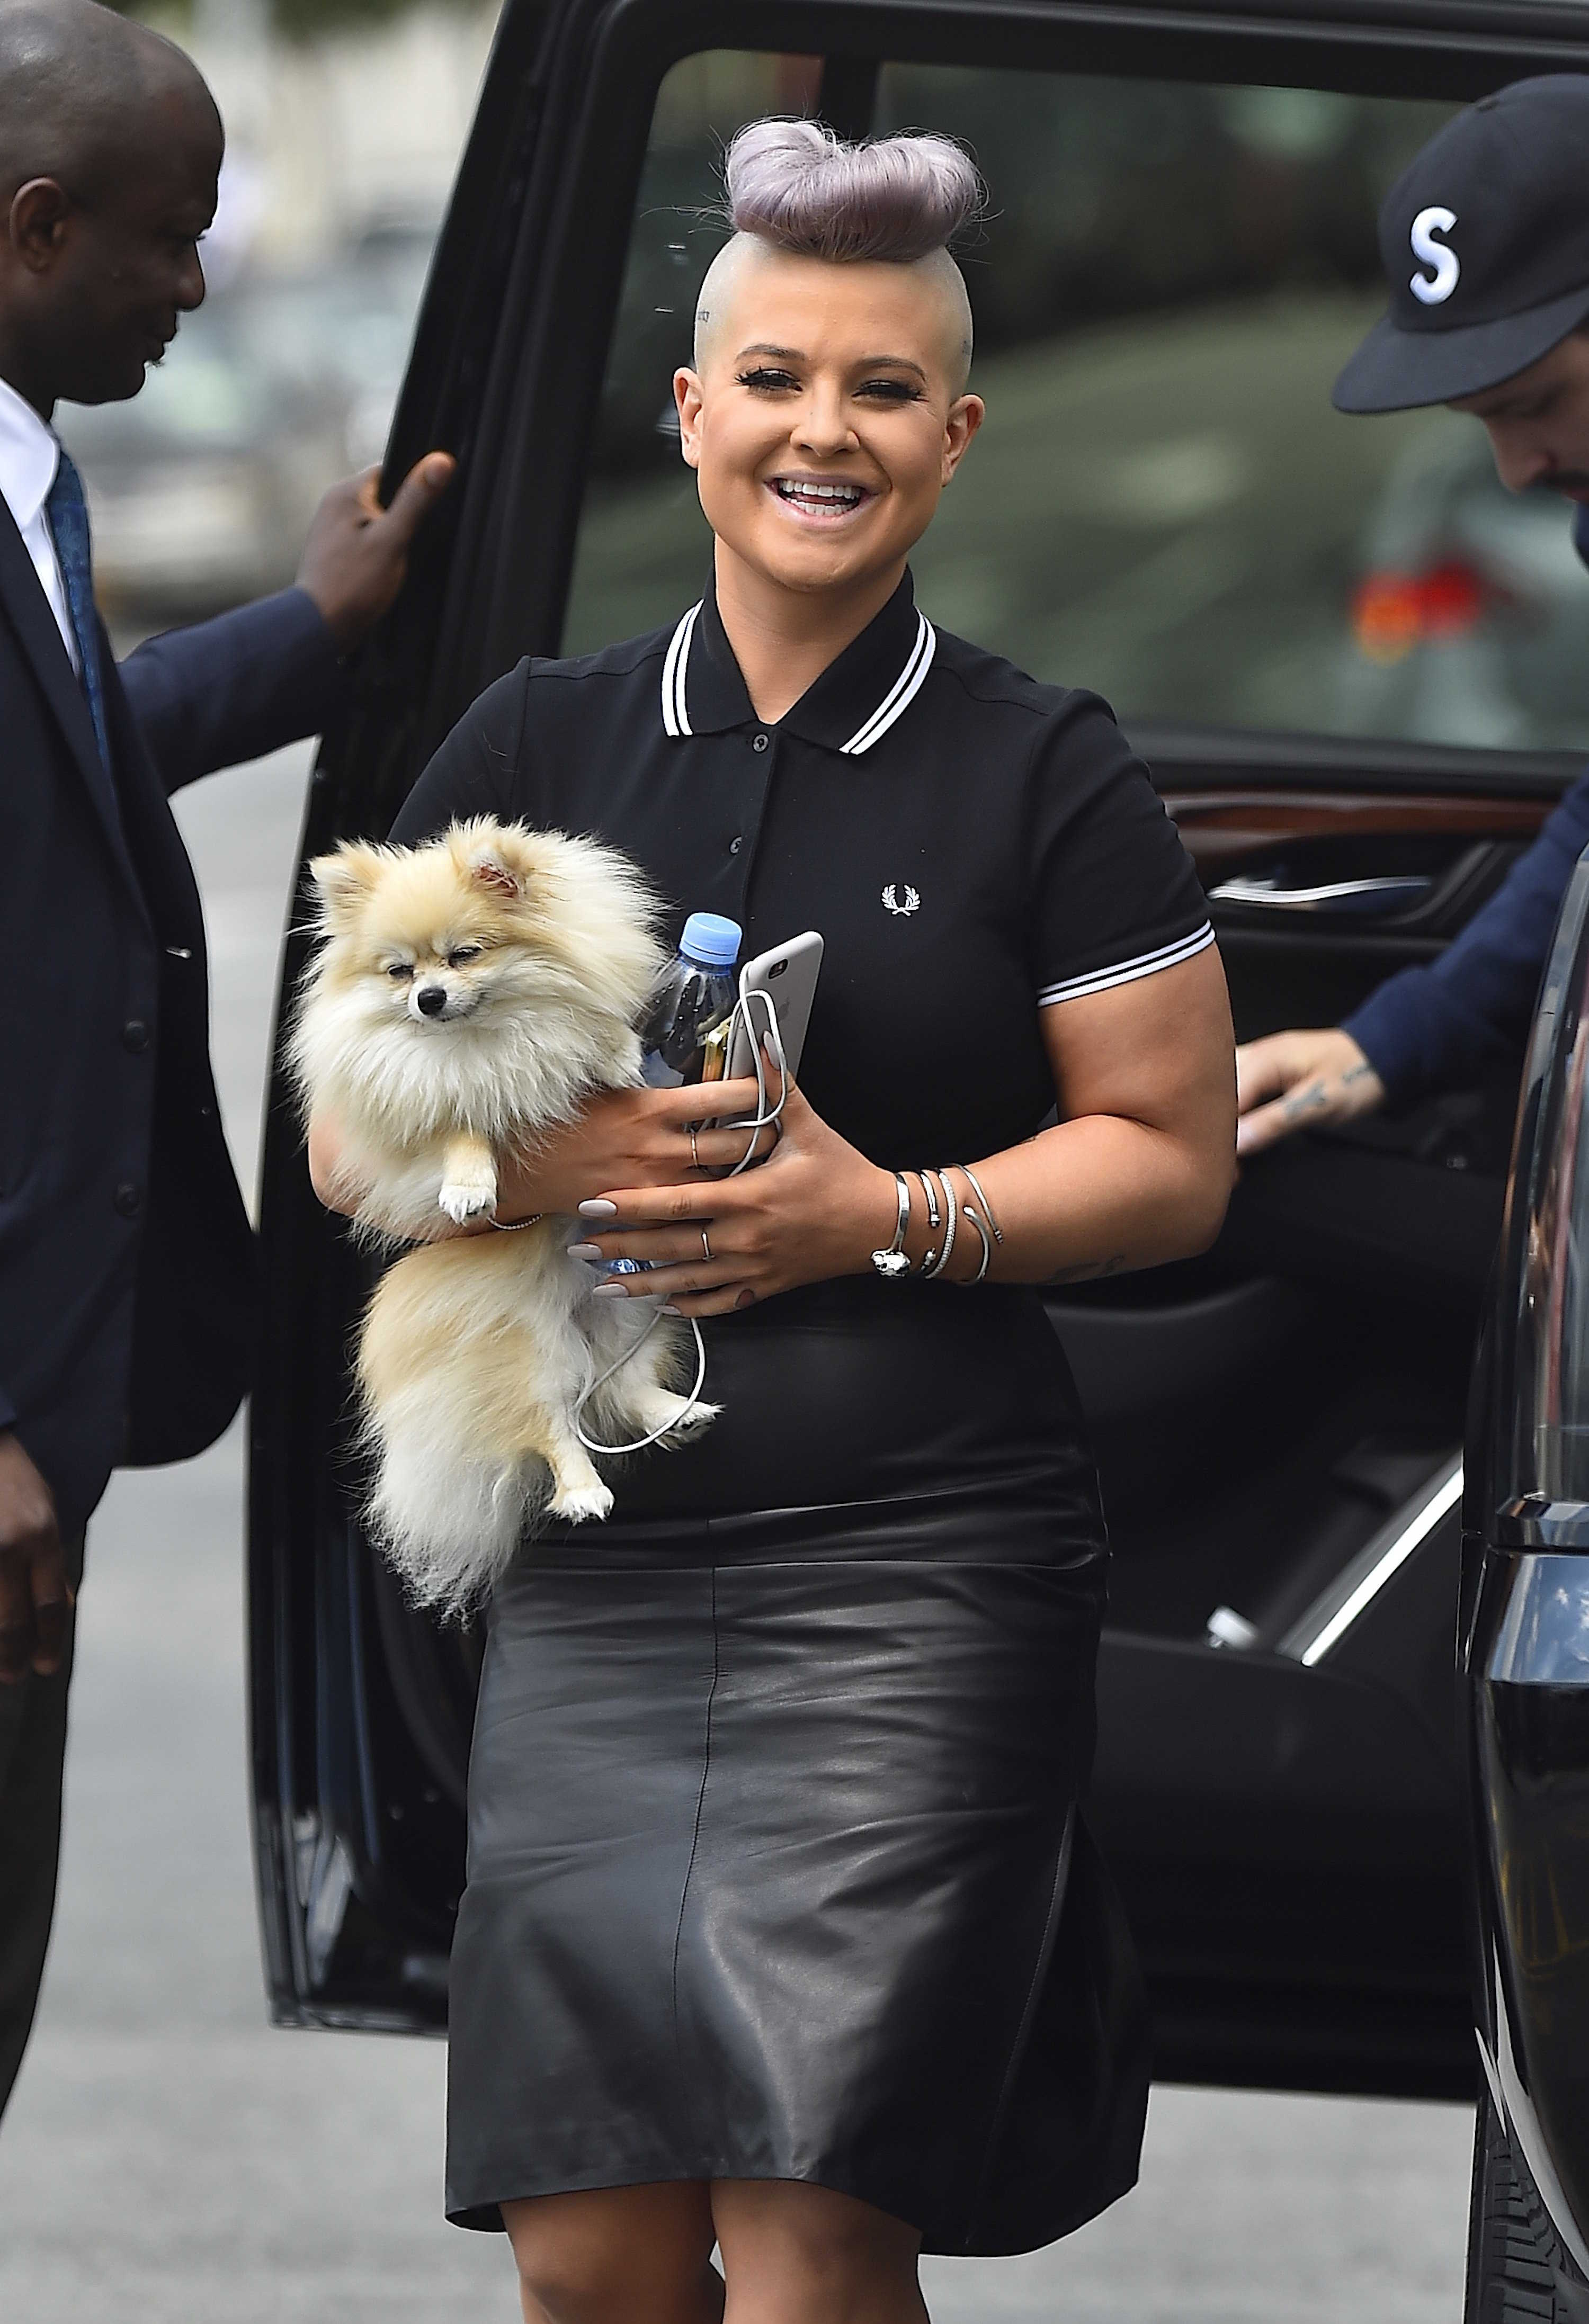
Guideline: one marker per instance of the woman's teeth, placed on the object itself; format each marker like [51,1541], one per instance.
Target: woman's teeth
[804,494]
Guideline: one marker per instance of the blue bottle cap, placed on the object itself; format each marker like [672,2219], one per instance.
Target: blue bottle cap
[710,939]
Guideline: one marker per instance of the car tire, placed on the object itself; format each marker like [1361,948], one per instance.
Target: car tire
[1518,2270]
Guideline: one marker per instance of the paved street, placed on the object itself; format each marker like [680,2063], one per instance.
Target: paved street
[169,2160]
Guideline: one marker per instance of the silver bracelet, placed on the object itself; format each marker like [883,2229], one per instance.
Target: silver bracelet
[893,1262]
[514,1226]
[951,1211]
[931,1202]
[987,1209]
[987,1249]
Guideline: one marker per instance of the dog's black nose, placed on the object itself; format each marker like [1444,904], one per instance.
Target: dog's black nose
[433,999]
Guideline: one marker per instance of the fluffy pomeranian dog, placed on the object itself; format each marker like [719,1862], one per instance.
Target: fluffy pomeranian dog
[466,997]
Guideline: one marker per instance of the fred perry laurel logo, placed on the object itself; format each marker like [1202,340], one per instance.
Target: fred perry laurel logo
[901,910]
[1434,290]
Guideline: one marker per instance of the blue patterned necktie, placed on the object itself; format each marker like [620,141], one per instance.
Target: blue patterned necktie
[67,512]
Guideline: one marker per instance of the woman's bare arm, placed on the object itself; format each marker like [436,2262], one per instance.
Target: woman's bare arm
[1138,1173]
[643,1135]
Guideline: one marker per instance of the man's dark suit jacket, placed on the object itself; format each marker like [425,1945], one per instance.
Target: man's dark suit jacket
[126,1262]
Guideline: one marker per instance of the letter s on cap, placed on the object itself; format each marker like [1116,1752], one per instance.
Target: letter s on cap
[1434,289]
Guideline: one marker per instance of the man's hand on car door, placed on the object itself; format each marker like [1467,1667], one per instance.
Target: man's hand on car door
[355,557]
[1308,1080]
[35,1596]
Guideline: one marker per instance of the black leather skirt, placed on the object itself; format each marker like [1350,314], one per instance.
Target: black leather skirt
[775,1864]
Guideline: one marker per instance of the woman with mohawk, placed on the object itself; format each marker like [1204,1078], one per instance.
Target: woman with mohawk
[782,1933]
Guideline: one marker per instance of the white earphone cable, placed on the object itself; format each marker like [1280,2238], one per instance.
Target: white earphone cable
[763,1120]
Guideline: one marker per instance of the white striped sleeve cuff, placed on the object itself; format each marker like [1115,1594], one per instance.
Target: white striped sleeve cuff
[1126,972]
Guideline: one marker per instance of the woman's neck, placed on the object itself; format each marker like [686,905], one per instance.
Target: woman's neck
[784,638]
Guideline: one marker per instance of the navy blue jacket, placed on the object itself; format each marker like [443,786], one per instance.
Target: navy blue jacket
[126,1261]
[1429,1028]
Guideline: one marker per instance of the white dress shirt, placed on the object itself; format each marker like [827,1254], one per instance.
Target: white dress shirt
[29,453]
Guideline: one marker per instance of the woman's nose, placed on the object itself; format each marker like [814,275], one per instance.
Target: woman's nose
[821,426]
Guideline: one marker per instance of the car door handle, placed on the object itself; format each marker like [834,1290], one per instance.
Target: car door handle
[1362,899]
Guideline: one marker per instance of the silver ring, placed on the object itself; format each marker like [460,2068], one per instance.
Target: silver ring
[705,1246]
[694,1149]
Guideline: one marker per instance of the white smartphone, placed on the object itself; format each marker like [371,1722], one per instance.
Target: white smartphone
[788,976]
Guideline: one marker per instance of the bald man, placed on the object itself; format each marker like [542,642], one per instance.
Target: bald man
[126,1256]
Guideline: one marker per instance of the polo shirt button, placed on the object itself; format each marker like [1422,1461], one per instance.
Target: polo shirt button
[734,844]
[760,742]
[127,1201]
[134,1035]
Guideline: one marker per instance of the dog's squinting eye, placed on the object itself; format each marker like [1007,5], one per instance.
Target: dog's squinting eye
[399,971]
[463,954]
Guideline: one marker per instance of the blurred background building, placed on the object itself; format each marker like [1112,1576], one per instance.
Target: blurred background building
[1163,505]
[345,119]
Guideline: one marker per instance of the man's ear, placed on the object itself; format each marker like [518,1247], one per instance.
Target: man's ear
[36,224]
[345,878]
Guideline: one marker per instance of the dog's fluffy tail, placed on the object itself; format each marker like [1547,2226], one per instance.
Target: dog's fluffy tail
[449,1528]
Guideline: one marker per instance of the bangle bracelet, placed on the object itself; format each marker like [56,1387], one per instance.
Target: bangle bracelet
[987,1249]
[972,1179]
[951,1210]
[892,1263]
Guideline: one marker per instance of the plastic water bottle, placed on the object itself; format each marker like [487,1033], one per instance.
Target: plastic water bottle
[693,1001]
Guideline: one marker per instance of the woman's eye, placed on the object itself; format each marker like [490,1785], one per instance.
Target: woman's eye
[464,952]
[765,378]
[891,391]
[399,972]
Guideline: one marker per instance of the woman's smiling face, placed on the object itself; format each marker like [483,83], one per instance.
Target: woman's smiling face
[826,414]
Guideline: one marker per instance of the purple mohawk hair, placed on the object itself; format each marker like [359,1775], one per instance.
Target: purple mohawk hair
[796,185]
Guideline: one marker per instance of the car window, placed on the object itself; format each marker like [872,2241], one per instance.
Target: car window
[1162,504]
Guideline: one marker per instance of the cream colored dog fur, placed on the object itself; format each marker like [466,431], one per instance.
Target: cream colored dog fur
[467,995]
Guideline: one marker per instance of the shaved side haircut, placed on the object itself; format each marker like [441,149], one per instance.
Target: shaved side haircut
[794,188]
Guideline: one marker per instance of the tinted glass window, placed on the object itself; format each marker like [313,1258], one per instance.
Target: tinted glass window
[1162,503]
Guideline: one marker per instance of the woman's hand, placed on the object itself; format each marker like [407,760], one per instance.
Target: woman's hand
[627,1137]
[630,1138]
[817,1208]
[1308,1080]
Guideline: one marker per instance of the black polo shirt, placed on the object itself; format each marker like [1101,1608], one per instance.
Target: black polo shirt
[974,847]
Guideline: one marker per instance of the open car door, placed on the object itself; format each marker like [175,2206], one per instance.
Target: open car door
[1180,252]
[1525,1658]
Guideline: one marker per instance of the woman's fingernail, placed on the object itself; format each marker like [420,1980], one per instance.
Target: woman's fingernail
[598,1207]
[583,1250]
[747,1298]
[609,1291]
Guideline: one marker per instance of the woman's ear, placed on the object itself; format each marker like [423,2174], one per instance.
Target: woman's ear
[690,398]
[967,414]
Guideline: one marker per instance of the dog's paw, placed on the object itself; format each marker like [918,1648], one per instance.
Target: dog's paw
[577,1502]
[463,1201]
[673,1418]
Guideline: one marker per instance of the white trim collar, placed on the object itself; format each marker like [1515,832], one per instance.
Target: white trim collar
[901,695]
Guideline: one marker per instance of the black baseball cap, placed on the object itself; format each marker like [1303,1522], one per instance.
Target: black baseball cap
[1485,241]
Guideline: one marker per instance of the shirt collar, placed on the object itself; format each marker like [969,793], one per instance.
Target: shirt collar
[29,453]
[853,705]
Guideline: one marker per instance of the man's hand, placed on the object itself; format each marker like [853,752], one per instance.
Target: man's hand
[35,1597]
[1300,1081]
[356,554]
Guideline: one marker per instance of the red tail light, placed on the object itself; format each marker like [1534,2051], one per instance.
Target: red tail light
[1391,613]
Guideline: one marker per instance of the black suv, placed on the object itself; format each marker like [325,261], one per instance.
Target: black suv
[1343,1763]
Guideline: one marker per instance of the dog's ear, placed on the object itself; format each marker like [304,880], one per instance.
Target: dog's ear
[345,879]
[495,864]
